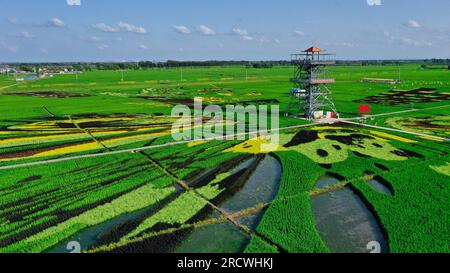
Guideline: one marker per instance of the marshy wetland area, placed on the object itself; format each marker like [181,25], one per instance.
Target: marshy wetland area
[90,158]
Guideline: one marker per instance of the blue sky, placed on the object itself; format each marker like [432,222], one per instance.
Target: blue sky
[119,30]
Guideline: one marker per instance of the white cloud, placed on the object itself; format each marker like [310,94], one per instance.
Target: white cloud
[345,44]
[23,34]
[240,32]
[104,27]
[120,27]
[13,20]
[406,41]
[143,47]
[44,50]
[264,39]
[338,44]
[277,41]
[56,22]
[299,33]
[389,36]
[247,38]
[131,28]
[8,47]
[73,2]
[205,30]
[374,2]
[182,29]
[413,24]
[26,34]
[91,39]
[103,47]
[416,43]
[243,34]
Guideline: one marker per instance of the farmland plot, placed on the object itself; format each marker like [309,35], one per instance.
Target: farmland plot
[165,199]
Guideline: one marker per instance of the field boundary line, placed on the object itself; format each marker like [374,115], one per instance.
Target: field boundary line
[251,210]
[224,138]
[135,150]
[208,202]
[8,86]
[398,112]
[395,130]
[88,133]
[203,223]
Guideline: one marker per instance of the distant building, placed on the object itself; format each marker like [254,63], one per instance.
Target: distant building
[6,70]
[43,72]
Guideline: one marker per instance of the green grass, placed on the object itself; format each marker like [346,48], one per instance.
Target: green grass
[43,205]
[288,221]
[140,198]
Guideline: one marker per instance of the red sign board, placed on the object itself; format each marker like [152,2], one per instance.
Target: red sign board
[364,109]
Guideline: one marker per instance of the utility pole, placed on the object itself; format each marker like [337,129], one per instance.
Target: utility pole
[122,74]
[246,74]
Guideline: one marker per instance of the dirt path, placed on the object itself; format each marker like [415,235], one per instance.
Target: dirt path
[8,86]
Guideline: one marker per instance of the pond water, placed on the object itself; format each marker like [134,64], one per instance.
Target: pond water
[344,222]
[89,236]
[261,187]
[380,186]
[325,181]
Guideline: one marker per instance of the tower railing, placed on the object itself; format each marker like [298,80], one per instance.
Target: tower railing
[311,80]
[314,58]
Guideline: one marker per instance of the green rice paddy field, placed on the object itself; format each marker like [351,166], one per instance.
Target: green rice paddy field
[98,190]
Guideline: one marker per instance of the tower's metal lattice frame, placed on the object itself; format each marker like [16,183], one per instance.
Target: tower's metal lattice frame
[311,93]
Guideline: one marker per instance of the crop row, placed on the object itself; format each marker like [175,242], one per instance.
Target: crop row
[288,221]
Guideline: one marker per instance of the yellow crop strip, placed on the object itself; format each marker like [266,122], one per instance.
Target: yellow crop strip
[320,128]
[254,146]
[38,139]
[131,139]
[394,137]
[432,138]
[71,149]
[196,143]
[445,169]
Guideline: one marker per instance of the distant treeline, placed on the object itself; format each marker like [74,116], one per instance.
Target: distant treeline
[426,62]
[88,66]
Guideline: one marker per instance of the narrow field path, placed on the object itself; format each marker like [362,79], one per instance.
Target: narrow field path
[228,137]
[225,214]
[8,86]
[395,130]
[50,161]
[86,131]
[199,224]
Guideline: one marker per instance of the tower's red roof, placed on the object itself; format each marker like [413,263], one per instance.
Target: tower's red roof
[313,49]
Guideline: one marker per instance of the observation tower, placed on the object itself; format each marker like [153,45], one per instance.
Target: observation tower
[311,94]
